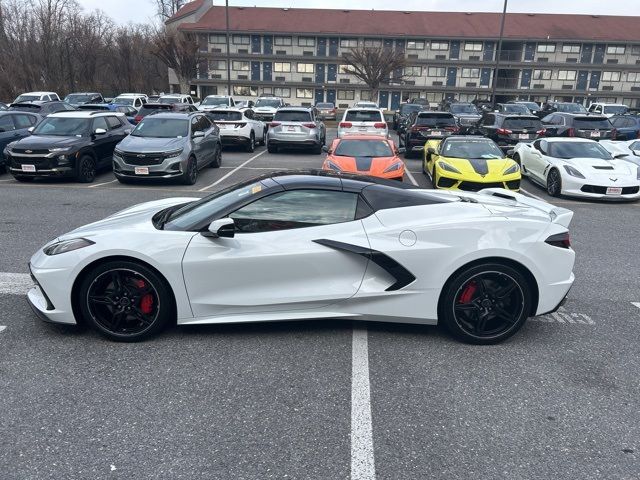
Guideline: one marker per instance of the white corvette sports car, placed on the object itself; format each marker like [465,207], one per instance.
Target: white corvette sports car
[578,167]
[311,245]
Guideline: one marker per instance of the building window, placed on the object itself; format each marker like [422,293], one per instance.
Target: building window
[437,72]
[473,46]
[615,49]
[365,95]
[245,91]
[372,42]
[633,77]
[282,41]
[434,97]
[346,94]
[266,91]
[415,45]
[305,68]
[282,67]
[240,66]
[343,69]
[241,40]
[217,38]
[217,65]
[304,93]
[570,48]
[348,42]
[635,50]
[470,73]
[610,76]
[414,71]
[542,74]
[283,92]
[306,42]
[546,47]
[439,45]
[566,75]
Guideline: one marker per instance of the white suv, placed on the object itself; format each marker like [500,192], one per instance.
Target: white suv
[608,109]
[176,98]
[131,99]
[34,97]
[211,102]
[363,121]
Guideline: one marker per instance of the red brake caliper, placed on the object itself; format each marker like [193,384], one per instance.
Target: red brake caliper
[146,302]
[468,292]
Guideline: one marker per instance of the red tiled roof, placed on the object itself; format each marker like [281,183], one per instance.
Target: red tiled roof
[419,24]
[186,9]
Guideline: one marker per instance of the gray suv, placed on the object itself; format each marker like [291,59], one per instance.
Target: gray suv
[296,127]
[168,145]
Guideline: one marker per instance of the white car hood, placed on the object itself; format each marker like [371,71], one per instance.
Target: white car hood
[595,166]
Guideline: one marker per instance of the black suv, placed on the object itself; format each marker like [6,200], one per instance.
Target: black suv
[507,129]
[68,144]
[562,107]
[595,127]
[42,108]
[425,125]
[401,115]
[513,108]
[466,114]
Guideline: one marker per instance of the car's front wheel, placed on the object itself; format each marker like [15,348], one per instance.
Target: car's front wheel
[554,183]
[190,174]
[485,304]
[251,143]
[86,172]
[125,301]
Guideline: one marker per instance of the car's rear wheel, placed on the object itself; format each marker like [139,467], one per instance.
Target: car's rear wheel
[485,304]
[86,169]
[217,158]
[263,141]
[554,183]
[251,143]
[190,174]
[272,148]
[125,301]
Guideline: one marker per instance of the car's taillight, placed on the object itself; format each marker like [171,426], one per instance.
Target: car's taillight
[453,129]
[239,125]
[417,128]
[379,125]
[309,125]
[571,132]
[274,124]
[561,240]
[504,131]
[138,118]
[638,134]
[345,125]
[541,132]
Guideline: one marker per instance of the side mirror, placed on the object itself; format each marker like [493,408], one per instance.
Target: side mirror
[325,148]
[31,129]
[431,150]
[221,228]
[99,131]
[401,150]
[198,134]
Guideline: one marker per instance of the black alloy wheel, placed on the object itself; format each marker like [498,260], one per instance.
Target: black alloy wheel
[86,169]
[554,183]
[251,143]
[486,304]
[125,301]
[190,175]
[217,158]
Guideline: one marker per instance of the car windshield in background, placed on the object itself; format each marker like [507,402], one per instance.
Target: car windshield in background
[63,127]
[123,100]
[326,106]
[363,148]
[432,120]
[571,108]
[27,98]
[516,109]
[523,123]
[268,103]
[463,109]
[124,110]
[408,108]
[162,128]
[169,100]
[215,101]
[225,116]
[284,116]
[592,123]
[471,149]
[578,150]
[615,109]
[363,116]
[530,105]
[77,98]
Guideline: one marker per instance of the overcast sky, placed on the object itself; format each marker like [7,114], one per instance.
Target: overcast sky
[123,12]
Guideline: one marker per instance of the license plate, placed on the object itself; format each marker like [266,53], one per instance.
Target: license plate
[595,134]
[614,190]
[292,129]
[28,168]
[141,170]
[523,136]
[363,129]
[436,132]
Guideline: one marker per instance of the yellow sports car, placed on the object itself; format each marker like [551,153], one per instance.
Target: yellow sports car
[469,163]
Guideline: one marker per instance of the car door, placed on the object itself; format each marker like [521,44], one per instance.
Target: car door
[8,132]
[210,142]
[198,143]
[116,133]
[535,162]
[102,143]
[275,262]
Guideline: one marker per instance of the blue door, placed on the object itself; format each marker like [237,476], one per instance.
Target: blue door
[594,83]
[525,79]
[333,47]
[395,100]
[319,95]
[255,71]
[267,68]
[319,72]
[331,95]
[332,72]
[255,44]
[384,99]
[454,50]
[587,52]
[529,52]
[598,56]
[451,76]
[321,50]
[489,49]
[485,77]
[583,75]
[268,45]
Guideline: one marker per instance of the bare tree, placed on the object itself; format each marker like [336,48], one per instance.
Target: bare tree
[180,51]
[167,8]
[375,66]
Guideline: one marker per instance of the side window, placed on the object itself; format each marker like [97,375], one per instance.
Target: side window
[6,123]
[24,121]
[113,122]
[195,125]
[100,122]
[204,123]
[543,146]
[290,209]
[248,113]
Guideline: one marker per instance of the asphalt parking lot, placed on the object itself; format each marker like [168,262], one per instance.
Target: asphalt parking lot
[558,400]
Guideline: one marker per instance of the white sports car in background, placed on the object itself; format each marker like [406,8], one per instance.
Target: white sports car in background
[628,150]
[312,246]
[578,167]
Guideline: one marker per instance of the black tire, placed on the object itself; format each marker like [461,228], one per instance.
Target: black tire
[554,183]
[272,148]
[251,143]
[263,142]
[190,175]
[485,304]
[217,158]
[86,169]
[23,179]
[317,149]
[125,301]
[516,158]
[434,180]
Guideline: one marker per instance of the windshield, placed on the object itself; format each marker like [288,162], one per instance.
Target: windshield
[518,123]
[434,120]
[169,99]
[530,105]
[592,123]
[363,116]
[325,105]
[265,102]
[78,98]
[471,149]
[616,109]
[123,100]
[225,116]
[363,148]
[162,128]
[578,150]
[367,104]
[463,109]
[27,98]
[215,101]
[407,108]
[292,116]
[571,108]
[63,127]
[516,109]
[157,108]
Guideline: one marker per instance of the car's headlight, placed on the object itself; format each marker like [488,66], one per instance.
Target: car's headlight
[118,152]
[512,169]
[60,149]
[67,246]
[173,153]
[572,171]
[448,168]
[393,168]
[333,166]
[638,175]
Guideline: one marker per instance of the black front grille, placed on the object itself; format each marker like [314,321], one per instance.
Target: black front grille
[30,151]
[603,190]
[513,184]
[476,186]
[41,163]
[444,182]
[140,160]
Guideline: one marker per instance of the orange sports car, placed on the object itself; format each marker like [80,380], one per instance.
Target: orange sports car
[365,154]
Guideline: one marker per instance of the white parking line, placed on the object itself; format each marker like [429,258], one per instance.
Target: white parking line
[362,461]
[2,328]
[411,177]
[104,183]
[636,304]
[232,172]
[529,194]
[15,283]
